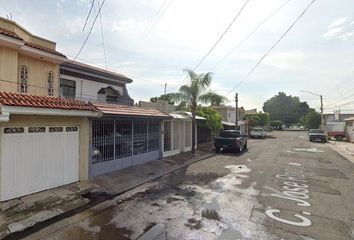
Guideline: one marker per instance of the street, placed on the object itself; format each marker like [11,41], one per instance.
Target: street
[283,187]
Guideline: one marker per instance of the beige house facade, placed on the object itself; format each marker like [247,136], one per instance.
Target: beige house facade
[44,139]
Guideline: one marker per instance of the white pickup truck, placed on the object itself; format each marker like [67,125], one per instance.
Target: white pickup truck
[258,132]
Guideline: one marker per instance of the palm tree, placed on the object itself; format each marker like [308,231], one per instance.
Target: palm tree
[197,91]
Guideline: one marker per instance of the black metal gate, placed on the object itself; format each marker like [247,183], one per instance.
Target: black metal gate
[120,143]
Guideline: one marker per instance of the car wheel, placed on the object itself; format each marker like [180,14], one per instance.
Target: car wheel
[217,150]
[339,138]
[245,147]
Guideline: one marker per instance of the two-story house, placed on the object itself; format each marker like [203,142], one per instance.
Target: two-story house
[125,135]
[44,139]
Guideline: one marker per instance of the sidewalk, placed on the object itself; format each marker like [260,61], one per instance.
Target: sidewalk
[20,217]
[346,149]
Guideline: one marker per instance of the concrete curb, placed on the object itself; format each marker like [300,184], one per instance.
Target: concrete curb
[349,155]
[62,222]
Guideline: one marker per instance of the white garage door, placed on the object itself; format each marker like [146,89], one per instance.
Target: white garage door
[37,158]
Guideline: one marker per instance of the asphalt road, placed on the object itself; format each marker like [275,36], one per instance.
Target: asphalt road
[283,187]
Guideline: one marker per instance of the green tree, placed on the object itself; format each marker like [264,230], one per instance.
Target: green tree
[253,120]
[276,124]
[263,119]
[196,91]
[285,108]
[164,97]
[258,119]
[312,119]
[213,119]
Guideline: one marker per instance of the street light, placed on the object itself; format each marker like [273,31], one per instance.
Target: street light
[321,104]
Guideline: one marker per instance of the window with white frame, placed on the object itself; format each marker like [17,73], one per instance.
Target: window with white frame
[50,83]
[67,88]
[23,78]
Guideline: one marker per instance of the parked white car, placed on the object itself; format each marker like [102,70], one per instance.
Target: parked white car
[258,132]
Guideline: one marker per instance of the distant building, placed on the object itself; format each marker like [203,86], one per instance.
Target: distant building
[251,111]
[228,113]
[160,105]
[336,117]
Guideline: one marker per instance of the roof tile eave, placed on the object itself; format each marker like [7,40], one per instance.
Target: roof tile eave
[28,100]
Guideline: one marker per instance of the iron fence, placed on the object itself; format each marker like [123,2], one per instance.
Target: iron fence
[115,139]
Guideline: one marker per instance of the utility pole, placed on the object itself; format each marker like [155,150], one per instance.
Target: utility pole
[164,102]
[322,126]
[322,122]
[236,111]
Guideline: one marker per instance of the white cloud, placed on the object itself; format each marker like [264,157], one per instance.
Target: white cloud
[123,25]
[333,32]
[346,36]
[286,60]
[337,22]
[341,29]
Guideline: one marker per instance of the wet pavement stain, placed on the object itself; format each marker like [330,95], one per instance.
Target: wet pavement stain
[173,199]
[230,234]
[193,223]
[322,187]
[211,214]
[332,173]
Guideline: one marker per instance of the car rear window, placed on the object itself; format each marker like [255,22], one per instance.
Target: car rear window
[316,131]
[230,134]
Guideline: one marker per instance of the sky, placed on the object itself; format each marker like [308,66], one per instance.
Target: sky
[152,41]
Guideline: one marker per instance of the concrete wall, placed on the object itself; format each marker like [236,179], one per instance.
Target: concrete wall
[83,123]
[87,90]
[8,69]
[160,105]
[24,34]
[38,73]
[10,62]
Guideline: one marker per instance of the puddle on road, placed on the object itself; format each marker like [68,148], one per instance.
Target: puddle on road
[311,150]
[221,208]
[295,164]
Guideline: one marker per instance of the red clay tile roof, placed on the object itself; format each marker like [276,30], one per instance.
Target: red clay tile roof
[36,46]
[123,110]
[28,100]
[12,34]
[9,33]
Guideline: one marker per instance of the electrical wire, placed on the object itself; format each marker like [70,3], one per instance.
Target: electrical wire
[88,15]
[251,33]
[340,105]
[89,33]
[146,33]
[271,48]
[103,44]
[341,98]
[217,41]
[159,14]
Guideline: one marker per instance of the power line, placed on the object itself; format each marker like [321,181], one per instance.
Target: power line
[271,48]
[159,14]
[89,33]
[218,40]
[222,35]
[149,29]
[341,98]
[88,15]
[251,33]
[340,105]
[103,44]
